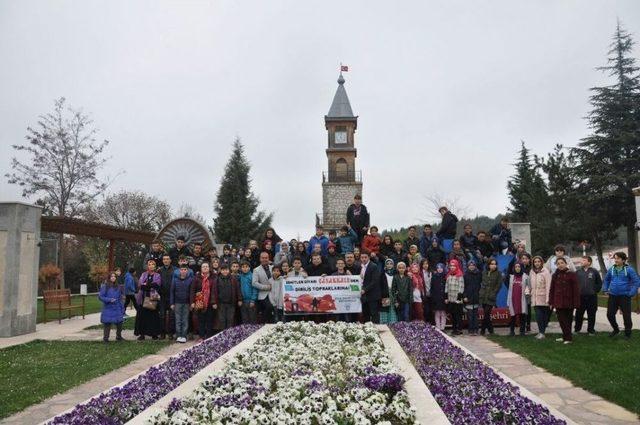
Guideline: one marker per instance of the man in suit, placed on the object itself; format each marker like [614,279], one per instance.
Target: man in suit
[260,281]
[371,289]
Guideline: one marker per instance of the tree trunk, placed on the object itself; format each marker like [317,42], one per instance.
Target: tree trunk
[61,258]
[632,240]
[598,246]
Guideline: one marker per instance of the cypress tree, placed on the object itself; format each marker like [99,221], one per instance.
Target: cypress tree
[529,200]
[609,159]
[237,216]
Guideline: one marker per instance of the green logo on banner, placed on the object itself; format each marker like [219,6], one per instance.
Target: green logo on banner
[355,288]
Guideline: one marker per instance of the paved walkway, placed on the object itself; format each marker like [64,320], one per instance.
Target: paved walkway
[577,404]
[62,402]
[69,329]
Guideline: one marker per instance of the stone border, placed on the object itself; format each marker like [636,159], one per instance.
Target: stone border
[189,386]
[524,391]
[428,410]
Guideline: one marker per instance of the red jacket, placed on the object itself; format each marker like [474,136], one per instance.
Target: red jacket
[371,244]
[565,290]
[196,287]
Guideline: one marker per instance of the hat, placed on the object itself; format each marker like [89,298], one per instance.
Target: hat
[331,245]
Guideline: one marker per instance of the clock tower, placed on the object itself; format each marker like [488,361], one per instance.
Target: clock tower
[341,182]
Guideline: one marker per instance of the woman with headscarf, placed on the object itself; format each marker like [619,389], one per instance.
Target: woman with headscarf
[472,283]
[148,317]
[491,282]
[388,311]
[540,287]
[527,265]
[519,291]
[418,292]
[272,237]
[438,296]
[455,294]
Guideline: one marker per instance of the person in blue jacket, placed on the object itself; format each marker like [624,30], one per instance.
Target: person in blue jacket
[348,239]
[111,297]
[621,283]
[319,238]
[179,297]
[249,294]
[130,289]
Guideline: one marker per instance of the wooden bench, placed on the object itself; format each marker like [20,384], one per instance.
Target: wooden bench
[60,300]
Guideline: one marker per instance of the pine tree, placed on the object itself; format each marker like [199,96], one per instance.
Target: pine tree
[529,200]
[609,159]
[237,217]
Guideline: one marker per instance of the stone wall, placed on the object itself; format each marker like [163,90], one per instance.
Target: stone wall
[19,257]
[336,198]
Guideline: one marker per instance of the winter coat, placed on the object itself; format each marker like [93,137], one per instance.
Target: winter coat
[322,240]
[590,281]
[180,292]
[358,222]
[455,289]
[438,293]
[386,250]
[565,290]
[249,292]
[348,241]
[402,288]
[425,243]
[500,234]
[276,295]
[435,256]
[469,242]
[472,285]
[526,290]
[112,307]
[491,282]
[318,270]
[371,244]
[623,281]
[540,287]
[144,288]
[175,254]
[196,287]
[166,277]
[448,226]
[130,287]
[228,290]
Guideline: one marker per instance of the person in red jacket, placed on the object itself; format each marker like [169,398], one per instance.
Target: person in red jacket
[371,243]
[564,296]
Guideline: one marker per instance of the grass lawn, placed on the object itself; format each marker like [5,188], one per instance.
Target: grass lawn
[35,371]
[91,305]
[607,367]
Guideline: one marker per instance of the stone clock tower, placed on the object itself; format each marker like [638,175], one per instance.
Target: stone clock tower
[341,182]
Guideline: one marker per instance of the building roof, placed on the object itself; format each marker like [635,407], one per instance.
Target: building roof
[340,107]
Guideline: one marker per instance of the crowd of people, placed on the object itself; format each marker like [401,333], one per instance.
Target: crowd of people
[185,291]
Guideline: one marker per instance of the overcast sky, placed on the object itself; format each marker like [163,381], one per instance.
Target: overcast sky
[444,91]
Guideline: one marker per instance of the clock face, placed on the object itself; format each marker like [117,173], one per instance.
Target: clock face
[341,137]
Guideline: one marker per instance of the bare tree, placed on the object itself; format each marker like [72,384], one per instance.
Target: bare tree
[63,165]
[131,210]
[187,210]
[435,201]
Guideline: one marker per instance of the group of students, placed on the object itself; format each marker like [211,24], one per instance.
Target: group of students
[424,278]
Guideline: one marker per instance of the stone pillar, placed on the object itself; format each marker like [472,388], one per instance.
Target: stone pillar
[522,232]
[19,258]
[636,192]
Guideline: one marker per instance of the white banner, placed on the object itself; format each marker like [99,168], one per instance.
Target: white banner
[322,294]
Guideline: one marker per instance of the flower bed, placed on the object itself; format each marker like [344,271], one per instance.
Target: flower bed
[468,391]
[120,404]
[301,373]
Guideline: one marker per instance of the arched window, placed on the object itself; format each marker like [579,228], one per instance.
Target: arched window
[342,169]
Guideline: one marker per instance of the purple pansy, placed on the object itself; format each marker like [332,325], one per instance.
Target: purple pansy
[467,390]
[120,404]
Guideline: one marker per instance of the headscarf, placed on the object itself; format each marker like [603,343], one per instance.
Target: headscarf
[390,271]
[439,266]
[416,277]
[457,272]
[476,270]
[521,272]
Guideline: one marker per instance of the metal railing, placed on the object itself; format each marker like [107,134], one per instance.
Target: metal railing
[333,176]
